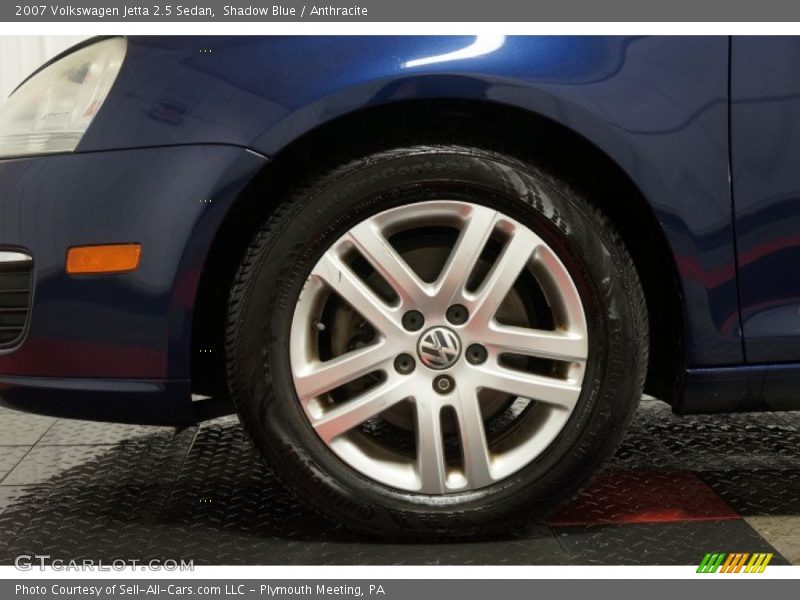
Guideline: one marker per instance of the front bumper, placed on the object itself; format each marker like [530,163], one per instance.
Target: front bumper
[114,347]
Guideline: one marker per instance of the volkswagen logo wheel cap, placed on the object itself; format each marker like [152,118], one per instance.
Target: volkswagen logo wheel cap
[439,348]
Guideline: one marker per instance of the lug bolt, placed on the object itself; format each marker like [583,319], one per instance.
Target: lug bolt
[404,364]
[444,384]
[476,354]
[413,320]
[457,314]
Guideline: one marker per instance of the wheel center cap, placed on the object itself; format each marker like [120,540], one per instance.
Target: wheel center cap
[439,348]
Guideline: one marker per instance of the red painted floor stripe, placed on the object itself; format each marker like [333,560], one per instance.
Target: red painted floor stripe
[644,497]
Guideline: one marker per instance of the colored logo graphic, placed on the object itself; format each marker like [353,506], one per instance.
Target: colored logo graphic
[735,562]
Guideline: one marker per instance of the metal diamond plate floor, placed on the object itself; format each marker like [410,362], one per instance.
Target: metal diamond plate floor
[676,489]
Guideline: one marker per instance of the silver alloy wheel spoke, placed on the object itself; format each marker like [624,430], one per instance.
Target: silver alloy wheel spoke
[477,457]
[503,275]
[430,467]
[320,377]
[567,294]
[355,412]
[356,293]
[386,261]
[462,260]
[549,390]
[565,346]
[331,389]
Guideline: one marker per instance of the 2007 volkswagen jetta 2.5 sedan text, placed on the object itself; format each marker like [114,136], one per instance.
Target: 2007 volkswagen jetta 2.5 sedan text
[432,275]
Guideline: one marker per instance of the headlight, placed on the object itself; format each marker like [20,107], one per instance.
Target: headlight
[52,110]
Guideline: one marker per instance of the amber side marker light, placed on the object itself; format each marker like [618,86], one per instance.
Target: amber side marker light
[108,258]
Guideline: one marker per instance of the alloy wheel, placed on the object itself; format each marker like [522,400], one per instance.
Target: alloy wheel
[438,366]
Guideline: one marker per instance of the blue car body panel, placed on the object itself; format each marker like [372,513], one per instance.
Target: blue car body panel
[190,121]
[129,326]
[656,106]
[765,109]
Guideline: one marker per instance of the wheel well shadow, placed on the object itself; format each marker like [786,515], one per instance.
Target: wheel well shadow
[552,146]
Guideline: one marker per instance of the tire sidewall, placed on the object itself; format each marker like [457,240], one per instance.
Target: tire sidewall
[273,276]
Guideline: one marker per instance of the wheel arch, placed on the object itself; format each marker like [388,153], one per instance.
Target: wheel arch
[551,144]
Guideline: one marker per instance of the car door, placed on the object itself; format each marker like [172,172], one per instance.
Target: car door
[765,164]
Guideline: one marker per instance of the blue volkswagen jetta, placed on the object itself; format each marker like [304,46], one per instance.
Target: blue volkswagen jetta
[433,275]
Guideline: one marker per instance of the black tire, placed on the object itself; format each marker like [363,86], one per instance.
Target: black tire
[309,219]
